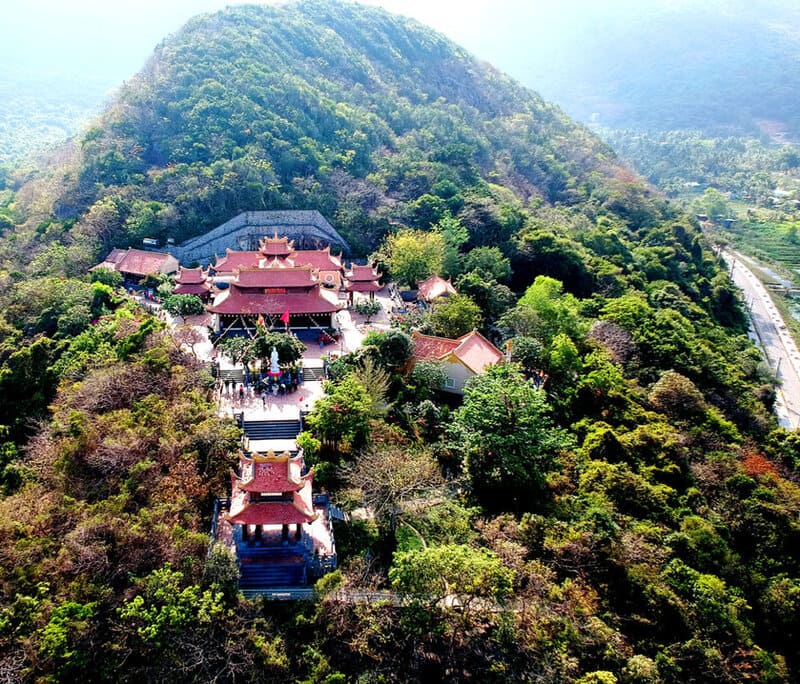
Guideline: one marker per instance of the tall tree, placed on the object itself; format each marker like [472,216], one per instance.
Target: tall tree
[507,437]
[455,315]
[413,255]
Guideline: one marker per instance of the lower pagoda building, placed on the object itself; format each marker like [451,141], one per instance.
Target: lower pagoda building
[279,530]
[288,294]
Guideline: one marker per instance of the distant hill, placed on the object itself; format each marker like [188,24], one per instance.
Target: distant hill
[372,119]
[723,67]
[37,112]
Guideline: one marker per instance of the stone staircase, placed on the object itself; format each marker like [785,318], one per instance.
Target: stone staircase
[273,573]
[231,375]
[313,374]
[271,429]
[280,593]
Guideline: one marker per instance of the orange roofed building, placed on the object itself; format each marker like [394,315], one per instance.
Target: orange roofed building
[136,264]
[435,287]
[279,530]
[462,358]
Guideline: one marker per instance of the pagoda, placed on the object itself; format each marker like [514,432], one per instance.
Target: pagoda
[279,530]
[280,252]
[272,292]
[362,278]
[192,281]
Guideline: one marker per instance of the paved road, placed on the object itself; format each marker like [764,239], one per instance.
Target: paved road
[778,345]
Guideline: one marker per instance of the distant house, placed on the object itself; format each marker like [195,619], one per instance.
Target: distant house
[135,264]
[462,358]
[434,287]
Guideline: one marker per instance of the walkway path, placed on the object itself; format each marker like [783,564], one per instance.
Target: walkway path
[773,337]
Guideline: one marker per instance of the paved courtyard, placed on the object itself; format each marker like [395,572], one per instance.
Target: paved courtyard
[286,406]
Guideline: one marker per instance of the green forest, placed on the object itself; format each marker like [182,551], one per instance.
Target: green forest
[636,520]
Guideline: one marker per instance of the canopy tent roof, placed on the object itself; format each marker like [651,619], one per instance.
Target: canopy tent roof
[434,287]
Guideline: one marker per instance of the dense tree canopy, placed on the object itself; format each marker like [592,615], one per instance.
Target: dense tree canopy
[620,507]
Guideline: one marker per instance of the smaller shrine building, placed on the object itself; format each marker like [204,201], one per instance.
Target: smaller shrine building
[280,532]
[462,358]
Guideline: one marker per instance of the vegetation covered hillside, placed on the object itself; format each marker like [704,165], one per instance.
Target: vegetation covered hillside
[369,118]
[616,504]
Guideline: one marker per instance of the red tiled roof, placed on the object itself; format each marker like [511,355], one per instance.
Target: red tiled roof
[321,259]
[472,349]
[275,246]
[274,277]
[115,255]
[275,475]
[190,276]
[431,348]
[199,289]
[233,260]
[272,512]
[362,286]
[434,287]
[142,263]
[234,301]
[476,352]
[361,272]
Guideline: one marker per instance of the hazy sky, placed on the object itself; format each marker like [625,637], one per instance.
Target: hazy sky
[104,42]
[109,40]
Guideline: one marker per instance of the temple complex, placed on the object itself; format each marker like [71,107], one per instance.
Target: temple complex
[279,530]
[276,282]
[276,285]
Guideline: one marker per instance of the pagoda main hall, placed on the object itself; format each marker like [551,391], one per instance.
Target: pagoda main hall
[300,287]
[277,282]
[279,530]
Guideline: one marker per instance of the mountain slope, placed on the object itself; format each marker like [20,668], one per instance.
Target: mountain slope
[643,499]
[341,108]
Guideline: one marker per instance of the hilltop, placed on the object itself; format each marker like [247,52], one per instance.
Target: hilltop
[372,119]
[616,504]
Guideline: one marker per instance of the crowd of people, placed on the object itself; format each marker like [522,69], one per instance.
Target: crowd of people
[245,394]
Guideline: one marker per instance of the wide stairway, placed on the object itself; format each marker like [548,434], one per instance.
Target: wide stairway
[277,572]
[234,375]
[313,374]
[271,429]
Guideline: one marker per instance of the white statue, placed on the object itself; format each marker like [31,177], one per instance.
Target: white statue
[273,362]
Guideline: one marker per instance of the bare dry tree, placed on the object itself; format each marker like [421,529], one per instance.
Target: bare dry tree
[392,478]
